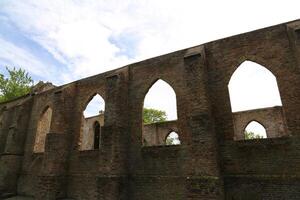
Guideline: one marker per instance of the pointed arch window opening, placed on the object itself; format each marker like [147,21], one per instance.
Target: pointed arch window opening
[96,106]
[43,128]
[255,130]
[160,105]
[91,123]
[252,86]
[172,139]
[161,96]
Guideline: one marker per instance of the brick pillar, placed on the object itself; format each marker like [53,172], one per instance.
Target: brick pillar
[293,31]
[290,93]
[204,181]
[10,164]
[111,182]
[52,182]
[12,156]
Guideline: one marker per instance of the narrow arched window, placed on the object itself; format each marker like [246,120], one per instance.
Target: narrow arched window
[173,139]
[255,130]
[160,97]
[97,135]
[43,128]
[159,106]
[95,106]
[94,112]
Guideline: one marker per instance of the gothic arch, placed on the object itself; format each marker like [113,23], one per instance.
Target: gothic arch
[176,139]
[249,86]
[86,139]
[160,96]
[154,81]
[43,128]
[169,88]
[89,98]
[260,124]
[267,65]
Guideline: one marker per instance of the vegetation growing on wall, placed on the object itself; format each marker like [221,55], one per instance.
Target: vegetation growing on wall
[251,135]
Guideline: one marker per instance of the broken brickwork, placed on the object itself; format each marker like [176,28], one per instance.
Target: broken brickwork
[209,163]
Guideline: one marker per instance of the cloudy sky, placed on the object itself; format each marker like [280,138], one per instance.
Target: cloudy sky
[64,40]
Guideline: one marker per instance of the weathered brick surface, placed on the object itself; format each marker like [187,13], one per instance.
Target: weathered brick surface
[272,119]
[209,163]
[157,133]
[43,128]
[87,133]
[274,188]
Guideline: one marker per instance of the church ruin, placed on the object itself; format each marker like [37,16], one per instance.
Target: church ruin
[50,151]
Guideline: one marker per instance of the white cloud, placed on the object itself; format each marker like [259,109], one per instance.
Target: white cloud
[88,36]
[16,56]
[73,33]
[78,33]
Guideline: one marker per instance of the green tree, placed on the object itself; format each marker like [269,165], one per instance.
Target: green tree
[251,135]
[151,115]
[170,141]
[17,84]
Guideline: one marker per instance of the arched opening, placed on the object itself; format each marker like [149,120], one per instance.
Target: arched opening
[254,130]
[160,106]
[91,123]
[253,86]
[43,128]
[97,135]
[95,106]
[254,93]
[173,139]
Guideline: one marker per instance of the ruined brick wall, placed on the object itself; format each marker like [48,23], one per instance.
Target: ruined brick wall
[87,132]
[272,119]
[43,128]
[13,131]
[156,133]
[261,169]
[209,163]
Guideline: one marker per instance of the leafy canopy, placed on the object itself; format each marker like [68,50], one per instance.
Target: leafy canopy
[251,135]
[170,141]
[151,115]
[17,84]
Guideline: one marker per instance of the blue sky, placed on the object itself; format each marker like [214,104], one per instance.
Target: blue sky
[61,41]
[64,40]
[31,53]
